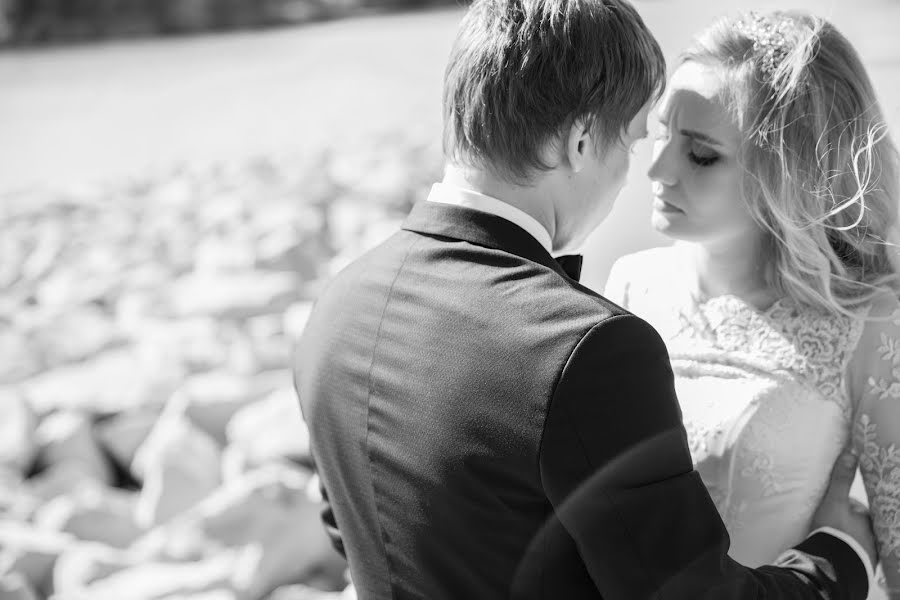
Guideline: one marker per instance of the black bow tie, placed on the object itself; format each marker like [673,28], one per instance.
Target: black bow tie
[571,264]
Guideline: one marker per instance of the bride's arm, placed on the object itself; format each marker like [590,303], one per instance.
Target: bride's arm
[875,382]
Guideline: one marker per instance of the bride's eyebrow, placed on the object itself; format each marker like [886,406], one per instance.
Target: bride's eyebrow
[696,135]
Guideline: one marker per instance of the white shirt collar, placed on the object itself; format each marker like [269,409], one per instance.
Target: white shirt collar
[450,194]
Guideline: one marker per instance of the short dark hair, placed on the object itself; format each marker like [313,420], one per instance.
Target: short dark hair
[521,71]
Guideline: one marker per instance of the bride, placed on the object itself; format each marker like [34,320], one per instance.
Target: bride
[774,172]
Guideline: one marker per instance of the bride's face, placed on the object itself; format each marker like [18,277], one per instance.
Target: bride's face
[695,173]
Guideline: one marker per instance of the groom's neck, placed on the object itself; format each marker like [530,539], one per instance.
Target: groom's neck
[535,200]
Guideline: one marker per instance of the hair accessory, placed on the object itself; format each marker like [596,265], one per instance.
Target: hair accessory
[770,38]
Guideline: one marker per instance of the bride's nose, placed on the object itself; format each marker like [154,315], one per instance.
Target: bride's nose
[663,168]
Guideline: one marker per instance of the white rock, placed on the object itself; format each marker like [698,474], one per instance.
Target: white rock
[179,465]
[305,592]
[67,438]
[83,563]
[18,424]
[30,551]
[122,434]
[278,416]
[209,400]
[17,501]
[60,479]
[266,518]
[295,318]
[270,345]
[21,358]
[156,581]
[349,218]
[268,510]
[14,586]
[271,353]
[232,295]
[93,513]
[77,334]
[223,253]
[75,285]
[110,382]
[367,236]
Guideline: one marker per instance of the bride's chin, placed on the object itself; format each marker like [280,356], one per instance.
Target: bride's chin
[661,222]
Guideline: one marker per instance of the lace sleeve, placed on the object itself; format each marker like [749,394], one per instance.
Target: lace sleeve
[617,284]
[876,430]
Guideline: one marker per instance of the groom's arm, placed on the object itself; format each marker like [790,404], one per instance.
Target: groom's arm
[616,466]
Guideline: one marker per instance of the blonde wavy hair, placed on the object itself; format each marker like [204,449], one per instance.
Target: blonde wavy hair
[821,173]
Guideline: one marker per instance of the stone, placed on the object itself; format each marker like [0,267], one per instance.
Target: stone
[14,586]
[209,400]
[196,342]
[157,580]
[347,220]
[215,253]
[77,334]
[122,434]
[17,501]
[295,318]
[278,415]
[67,438]
[84,563]
[21,358]
[179,465]
[307,592]
[367,237]
[60,479]
[18,426]
[31,552]
[93,513]
[109,382]
[268,512]
[237,295]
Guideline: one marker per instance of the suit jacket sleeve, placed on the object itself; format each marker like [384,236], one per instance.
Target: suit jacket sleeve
[616,467]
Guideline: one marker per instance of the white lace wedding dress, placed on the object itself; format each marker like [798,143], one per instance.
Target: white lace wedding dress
[769,399]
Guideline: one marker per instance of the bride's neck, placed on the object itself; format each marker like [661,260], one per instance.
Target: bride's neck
[734,268]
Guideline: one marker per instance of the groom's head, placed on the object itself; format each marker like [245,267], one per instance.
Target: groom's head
[525,76]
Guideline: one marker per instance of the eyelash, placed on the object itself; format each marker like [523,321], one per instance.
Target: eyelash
[696,159]
[703,161]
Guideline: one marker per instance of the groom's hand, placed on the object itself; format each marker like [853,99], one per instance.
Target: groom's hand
[839,511]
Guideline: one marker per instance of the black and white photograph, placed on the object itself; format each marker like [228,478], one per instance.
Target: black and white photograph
[449,299]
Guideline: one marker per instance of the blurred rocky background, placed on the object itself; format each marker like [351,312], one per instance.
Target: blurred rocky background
[151,445]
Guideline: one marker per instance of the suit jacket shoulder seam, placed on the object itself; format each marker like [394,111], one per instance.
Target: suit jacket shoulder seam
[387,301]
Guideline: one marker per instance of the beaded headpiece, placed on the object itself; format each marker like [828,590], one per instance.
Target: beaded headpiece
[770,38]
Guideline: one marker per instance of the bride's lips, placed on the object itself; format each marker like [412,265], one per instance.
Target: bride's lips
[664,206]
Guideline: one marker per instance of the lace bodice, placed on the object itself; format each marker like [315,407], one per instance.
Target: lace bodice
[769,400]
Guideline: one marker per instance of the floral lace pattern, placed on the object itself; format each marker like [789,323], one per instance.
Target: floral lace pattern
[880,467]
[877,442]
[815,346]
[798,383]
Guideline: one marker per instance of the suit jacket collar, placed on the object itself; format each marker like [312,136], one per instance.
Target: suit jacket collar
[476,227]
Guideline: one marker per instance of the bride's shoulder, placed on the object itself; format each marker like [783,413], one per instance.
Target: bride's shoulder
[652,262]
[639,272]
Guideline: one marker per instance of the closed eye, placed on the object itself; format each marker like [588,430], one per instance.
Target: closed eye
[701,155]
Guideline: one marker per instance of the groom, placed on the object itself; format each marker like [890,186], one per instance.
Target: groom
[486,427]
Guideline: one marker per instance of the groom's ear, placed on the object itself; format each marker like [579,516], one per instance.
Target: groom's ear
[578,145]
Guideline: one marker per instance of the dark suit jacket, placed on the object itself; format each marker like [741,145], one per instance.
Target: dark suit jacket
[486,427]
